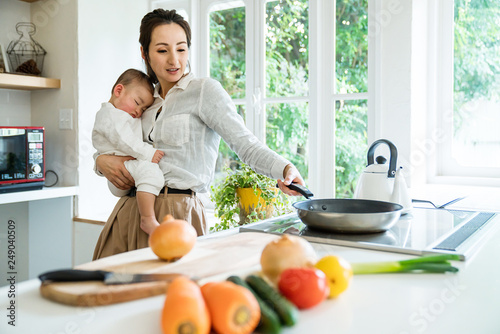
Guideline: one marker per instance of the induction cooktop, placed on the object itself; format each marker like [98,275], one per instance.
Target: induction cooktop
[422,231]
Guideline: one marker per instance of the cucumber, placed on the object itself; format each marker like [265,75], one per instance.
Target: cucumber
[269,321]
[287,312]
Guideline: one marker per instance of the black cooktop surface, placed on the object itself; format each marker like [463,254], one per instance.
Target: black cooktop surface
[421,231]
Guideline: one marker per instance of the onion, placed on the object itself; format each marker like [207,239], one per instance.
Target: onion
[173,239]
[287,252]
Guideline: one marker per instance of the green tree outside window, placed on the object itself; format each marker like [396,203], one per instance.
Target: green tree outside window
[287,74]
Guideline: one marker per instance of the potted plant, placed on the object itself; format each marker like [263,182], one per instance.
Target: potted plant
[245,196]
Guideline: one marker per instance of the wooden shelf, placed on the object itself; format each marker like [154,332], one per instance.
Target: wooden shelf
[27,82]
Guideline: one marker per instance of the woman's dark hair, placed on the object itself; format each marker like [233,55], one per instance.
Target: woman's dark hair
[149,22]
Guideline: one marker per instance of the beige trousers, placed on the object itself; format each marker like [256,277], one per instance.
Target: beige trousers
[122,232]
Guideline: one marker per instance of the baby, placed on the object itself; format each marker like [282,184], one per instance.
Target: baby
[117,130]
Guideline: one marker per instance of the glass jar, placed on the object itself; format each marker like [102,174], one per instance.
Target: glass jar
[26,55]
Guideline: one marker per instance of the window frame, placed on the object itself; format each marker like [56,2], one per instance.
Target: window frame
[441,167]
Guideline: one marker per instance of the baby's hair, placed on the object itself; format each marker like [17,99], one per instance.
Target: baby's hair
[131,75]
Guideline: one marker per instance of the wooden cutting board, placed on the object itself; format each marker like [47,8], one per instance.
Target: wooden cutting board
[209,257]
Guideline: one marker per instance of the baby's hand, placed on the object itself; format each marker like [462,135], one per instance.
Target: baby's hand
[157,156]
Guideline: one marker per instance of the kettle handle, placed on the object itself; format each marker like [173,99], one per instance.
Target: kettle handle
[394,155]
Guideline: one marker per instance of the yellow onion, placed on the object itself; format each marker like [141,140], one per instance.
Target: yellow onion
[173,239]
[287,252]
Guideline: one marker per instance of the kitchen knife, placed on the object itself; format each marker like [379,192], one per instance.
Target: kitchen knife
[107,277]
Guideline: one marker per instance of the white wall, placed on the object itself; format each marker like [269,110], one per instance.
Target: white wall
[420,87]
[390,93]
[107,45]
[12,12]
[56,32]
[15,106]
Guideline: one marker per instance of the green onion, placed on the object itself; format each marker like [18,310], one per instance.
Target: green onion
[429,264]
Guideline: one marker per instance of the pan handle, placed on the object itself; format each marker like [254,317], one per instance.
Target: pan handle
[301,189]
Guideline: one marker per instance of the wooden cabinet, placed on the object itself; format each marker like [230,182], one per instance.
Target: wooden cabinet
[27,82]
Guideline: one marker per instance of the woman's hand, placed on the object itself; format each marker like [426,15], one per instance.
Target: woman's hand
[112,167]
[290,174]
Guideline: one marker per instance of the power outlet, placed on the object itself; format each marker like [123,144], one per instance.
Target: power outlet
[66,119]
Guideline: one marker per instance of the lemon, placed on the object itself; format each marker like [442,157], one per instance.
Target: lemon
[338,273]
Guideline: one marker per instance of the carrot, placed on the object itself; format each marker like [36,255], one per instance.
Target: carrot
[233,308]
[185,310]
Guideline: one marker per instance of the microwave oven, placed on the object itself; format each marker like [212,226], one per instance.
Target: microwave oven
[22,158]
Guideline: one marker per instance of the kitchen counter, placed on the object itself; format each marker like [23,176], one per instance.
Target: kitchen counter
[465,302]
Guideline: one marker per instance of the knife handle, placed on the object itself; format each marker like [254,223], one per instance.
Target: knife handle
[73,275]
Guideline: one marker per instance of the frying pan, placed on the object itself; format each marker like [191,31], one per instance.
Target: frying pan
[346,215]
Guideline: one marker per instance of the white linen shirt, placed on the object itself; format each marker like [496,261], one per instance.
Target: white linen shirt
[194,115]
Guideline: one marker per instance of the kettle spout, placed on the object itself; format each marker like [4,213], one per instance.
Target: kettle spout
[401,193]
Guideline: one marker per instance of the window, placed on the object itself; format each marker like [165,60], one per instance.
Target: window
[260,52]
[351,93]
[287,80]
[227,64]
[471,103]
[272,97]
[476,84]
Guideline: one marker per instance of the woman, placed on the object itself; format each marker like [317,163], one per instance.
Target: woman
[186,121]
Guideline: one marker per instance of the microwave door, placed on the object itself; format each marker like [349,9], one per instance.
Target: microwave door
[13,157]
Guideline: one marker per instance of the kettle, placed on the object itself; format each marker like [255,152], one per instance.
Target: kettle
[383,182]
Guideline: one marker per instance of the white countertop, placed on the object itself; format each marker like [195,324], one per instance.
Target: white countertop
[474,198]
[466,302]
[34,195]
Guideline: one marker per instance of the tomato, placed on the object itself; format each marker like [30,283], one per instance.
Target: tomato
[304,287]
[338,272]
